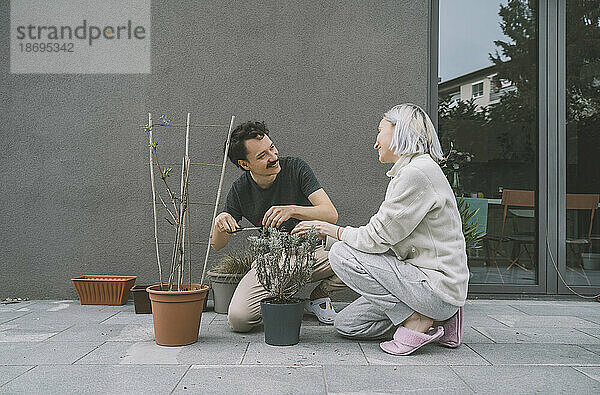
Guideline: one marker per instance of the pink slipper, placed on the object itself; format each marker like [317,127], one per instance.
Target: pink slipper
[407,341]
[453,330]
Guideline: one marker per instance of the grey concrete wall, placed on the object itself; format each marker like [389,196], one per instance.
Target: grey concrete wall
[76,196]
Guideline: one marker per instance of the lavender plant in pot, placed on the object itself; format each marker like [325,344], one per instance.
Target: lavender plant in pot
[283,265]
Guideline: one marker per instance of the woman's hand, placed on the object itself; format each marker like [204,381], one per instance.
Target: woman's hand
[323,228]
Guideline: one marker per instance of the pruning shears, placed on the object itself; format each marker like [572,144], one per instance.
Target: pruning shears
[243,229]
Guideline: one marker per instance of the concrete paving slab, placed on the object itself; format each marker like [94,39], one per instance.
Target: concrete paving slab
[68,316]
[14,333]
[593,319]
[43,353]
[526,380]
[591,332]
[592,372]
[476,318]
[311,320]
[321,334]
[7,316]
[491,309]
[530,321]
[97,379]
[538,335]
[219,330]
[471,335]
[429,355]
[392,379]
[593,348]
[261,380]
[105,332]
[543,302]
[536,354]
[58,305]
[8,373]
[582,310]
[149,353]
[36,325]
[127,317]
[7,312]
[215,316]
[14,305]
[305,353]
[307,319]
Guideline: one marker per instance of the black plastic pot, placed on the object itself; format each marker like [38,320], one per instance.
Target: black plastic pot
[141,301]
[282,322]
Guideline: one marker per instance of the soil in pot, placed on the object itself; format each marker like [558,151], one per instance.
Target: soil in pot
[223,286]
[282,321]
[177,314]
[141,300]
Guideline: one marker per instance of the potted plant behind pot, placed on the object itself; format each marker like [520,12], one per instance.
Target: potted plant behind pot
[283,265]
[226,275]
[176,304]
[470,225]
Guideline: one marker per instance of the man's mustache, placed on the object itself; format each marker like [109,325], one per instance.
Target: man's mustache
[272,164]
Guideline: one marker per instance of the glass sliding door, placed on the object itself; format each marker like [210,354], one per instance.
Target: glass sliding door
[488,126]
[582,89]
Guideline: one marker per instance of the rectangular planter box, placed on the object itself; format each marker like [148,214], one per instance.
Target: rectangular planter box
[105,290]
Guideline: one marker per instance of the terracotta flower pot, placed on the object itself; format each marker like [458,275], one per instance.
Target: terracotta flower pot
[177,314]
[223,286]
[105,290]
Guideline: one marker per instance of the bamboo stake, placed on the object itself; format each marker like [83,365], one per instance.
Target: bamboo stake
[154,201]
[182,204]
[181,239]
[189,246]
[187,136]
[184,217]
[218,198]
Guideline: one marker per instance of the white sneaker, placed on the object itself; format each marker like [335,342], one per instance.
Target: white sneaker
[322,308]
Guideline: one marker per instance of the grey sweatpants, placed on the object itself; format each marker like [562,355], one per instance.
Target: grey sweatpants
[391,291]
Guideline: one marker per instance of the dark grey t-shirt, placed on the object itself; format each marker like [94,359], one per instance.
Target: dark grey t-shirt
[294,183]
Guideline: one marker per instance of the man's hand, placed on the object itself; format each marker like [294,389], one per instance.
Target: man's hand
[224,222]
[277,215]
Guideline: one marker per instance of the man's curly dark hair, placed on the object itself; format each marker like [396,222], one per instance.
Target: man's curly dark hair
[246,131]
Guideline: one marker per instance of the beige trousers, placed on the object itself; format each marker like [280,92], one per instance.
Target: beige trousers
[244,309]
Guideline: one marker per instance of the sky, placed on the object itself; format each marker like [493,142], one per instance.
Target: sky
[468,29]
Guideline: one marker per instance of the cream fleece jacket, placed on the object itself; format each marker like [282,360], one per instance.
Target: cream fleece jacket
[419,221]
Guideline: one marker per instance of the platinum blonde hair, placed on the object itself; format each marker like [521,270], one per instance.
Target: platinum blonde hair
[414,132]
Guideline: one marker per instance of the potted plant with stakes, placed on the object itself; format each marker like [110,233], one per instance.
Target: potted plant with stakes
[176,304]
[283,265]
[226,275]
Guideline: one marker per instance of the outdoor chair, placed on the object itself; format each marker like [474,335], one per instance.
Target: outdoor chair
[518,206]
[575,244]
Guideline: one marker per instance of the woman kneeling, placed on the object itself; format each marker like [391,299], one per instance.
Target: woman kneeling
[409,262]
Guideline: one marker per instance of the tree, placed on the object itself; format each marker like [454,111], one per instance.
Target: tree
[512,123]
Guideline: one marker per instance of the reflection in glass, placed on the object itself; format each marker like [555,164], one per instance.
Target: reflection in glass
[583,142]
[488,127]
